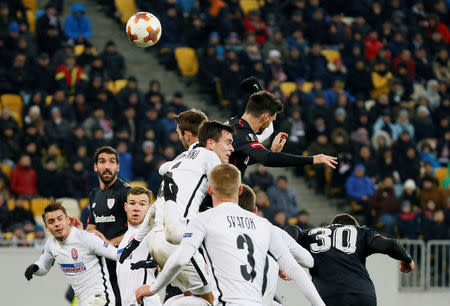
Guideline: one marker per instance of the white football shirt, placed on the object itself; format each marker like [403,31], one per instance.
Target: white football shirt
[82,258]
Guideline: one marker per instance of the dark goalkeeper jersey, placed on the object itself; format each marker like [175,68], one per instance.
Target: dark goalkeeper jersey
[339,254]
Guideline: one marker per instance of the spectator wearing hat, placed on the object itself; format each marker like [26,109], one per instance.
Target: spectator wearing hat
[407,222]
[113,61]
[360,188]
[254,24]
[383,123]
[423,124]
[276,69]
[77,26]
[214,40]
[49,32]
[403,124]
[23,177]
[281,198]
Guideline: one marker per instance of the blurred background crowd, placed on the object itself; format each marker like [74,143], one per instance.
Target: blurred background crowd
[367,81]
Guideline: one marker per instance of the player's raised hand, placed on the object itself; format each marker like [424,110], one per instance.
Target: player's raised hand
[144,264]
[278,142]
[170,189]
[75,222]
[128,250]
[327,160]
[283,275]
[33,268]
[141,292]
[407,267]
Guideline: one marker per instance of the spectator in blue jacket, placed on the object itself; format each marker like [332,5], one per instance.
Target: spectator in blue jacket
[126,162]
[77,26]
[359,187]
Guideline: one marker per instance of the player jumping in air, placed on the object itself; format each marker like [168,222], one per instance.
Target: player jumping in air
[80,255]
[235,243]
[340,251]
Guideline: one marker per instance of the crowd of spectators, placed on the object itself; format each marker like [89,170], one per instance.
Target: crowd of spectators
[382,106]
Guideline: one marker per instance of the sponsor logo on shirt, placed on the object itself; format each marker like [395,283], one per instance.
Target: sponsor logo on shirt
[119,252]
[247,160]
[73,268]
[74,254]
[105,219]
[110,203]
[251,137]
[187,235]
[105,244]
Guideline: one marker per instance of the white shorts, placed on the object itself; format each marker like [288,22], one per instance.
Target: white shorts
[181,300]
[194,276]
[98,300]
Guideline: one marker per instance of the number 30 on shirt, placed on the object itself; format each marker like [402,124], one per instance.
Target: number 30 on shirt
[343,238]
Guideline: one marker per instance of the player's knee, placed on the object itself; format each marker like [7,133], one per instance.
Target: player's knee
[174,233]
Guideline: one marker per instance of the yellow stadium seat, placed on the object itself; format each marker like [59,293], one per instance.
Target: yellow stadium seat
[331,55]
[288,87]
[293,220]
[83,203]
[38,205]
[8,235]
[138,183]
[187,61]
[48,100]
[307,86]
[30,4]
[126,8]
[11,204]
[249,5]
[71,206]
[6,169]
[79,49]
[119,84]
[18,117]
[12,101]
[30,236]
[440,174]
[31,18]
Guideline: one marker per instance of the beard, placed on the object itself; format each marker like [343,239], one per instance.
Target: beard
[112,174]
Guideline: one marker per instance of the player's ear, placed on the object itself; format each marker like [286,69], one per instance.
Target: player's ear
[95,167]
[255,210]
[210,191]
[241,189]
[265,117]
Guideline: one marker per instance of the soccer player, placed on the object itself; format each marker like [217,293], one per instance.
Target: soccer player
[80,255]
[247,201]
[107,218]
[235,243]
[340,251]
[137,269]
[262,109]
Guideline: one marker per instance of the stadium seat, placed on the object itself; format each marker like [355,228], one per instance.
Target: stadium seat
[31,19]
[18,117]
[71,206]
[331,55]
[38,205]
[119,84]
[79,49]
[440,174]
[249,5]
[30,236]
[293,220]
[126,8]
[11,204]
[8,235]
[307,86]
[187,61]
[288,87]
[6,169]
[48,99]
[12,101]
[83,203]
[138,183]
[30,4]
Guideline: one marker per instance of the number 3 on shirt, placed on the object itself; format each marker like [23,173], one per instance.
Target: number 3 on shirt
[241,240]
[324,241]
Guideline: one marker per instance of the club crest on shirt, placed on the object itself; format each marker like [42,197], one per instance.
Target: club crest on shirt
[251,137]
[74,254]
[110,203]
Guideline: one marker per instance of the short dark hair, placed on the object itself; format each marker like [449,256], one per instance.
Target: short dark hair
[344,219]
[247,199]
[190,120]
[212,130]
[53,206]
[263,102]
[137,190]
[107,150]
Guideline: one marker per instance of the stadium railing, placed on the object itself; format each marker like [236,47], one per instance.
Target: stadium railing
[415,280]
[438,265]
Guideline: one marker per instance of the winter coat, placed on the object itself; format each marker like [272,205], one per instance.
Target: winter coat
[76,26]
[23,181]
[357,187]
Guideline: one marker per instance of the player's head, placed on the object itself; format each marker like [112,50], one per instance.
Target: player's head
[56,220]
[225,184]
[264,107]
[106,164]
[188,123]
[247,199]
[217,137]
[137,205]
[344,219]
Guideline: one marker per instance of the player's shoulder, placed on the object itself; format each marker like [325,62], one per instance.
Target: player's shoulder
[207,155]
[123,185]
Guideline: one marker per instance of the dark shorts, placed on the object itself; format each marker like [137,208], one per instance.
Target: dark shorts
[350,299]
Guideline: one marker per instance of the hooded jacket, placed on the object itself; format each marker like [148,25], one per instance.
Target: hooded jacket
[357,187]
[76,26]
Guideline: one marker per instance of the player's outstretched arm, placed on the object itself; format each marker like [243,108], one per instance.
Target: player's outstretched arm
[394,249]
[98,246]
[288,264]
[300,254]
[42,266]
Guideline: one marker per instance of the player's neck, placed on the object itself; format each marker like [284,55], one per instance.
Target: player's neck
[192,141]
[65,237]
[104,186]
[252,121]
[220,200]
